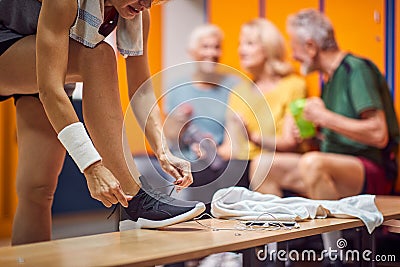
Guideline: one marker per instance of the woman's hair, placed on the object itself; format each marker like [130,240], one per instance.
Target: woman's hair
[274,46]
[310,24]
[203,31]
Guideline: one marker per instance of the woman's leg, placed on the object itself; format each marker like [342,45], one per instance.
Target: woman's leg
[258,172]
[40,160]
[283,175]
[18,68]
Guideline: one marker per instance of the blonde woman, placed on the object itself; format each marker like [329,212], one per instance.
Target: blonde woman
[263,107]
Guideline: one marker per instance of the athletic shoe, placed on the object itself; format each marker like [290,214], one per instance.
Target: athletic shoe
[153,209]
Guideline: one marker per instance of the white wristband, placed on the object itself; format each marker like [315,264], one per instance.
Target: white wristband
[79,146]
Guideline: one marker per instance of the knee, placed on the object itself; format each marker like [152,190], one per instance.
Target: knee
[311,162]
[36,193]
[311,167]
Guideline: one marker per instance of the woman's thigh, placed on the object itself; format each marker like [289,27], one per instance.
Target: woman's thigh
[18,68]
[18,64]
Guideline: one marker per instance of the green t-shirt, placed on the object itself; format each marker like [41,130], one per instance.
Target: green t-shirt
[357,86]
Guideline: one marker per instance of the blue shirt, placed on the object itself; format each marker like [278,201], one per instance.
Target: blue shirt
[209,108]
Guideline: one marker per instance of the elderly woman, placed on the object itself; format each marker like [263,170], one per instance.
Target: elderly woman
[45,45]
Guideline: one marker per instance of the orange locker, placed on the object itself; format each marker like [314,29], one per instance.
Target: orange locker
[277,12]
[229,17]
[136,138]
[360,27]
[8,159]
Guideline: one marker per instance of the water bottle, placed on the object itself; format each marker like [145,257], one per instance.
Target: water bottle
[306,128]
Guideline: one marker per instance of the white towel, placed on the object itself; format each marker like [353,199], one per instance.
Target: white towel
[241,203]
[89,19]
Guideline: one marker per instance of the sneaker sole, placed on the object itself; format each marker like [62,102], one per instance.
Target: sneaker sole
[144,223]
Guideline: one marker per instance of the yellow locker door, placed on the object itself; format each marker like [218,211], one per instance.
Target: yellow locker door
[360,27]
[277,11]
[229,17]
[8,161]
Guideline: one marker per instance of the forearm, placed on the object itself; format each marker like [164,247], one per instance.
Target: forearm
[148,116]
[277,143]
[236,137]
[58,108]
[52,60]
[173,127]
[225,149]
[154,134]
[284,145]
[370,131]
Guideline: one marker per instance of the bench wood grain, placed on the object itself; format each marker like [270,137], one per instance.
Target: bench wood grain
[180,242]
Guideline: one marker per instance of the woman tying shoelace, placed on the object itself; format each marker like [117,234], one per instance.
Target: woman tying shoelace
[46,45]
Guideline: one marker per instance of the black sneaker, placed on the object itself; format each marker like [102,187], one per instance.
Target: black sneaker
[153,209]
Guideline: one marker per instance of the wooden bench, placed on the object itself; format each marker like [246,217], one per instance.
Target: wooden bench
[180,242]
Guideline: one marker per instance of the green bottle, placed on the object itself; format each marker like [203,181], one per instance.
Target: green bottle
[306,128]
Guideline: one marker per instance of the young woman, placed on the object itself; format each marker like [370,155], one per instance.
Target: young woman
[45,45]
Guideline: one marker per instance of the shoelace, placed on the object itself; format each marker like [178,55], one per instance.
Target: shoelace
[154,196]
[150,199]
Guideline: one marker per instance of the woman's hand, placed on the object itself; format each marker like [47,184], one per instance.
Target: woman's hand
[104,187]
[292,129]
[178,168]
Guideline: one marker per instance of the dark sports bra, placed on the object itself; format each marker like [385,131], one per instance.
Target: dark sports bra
[110,21]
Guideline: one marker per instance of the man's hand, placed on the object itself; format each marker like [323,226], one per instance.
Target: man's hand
[104,187]
[315,111]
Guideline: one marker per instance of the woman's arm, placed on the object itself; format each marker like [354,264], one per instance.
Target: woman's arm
[52,48]
[285,143]
[236,136]
[55,20]
[148,114]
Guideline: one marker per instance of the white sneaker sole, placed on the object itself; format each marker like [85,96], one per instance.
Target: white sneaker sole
[144,223]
